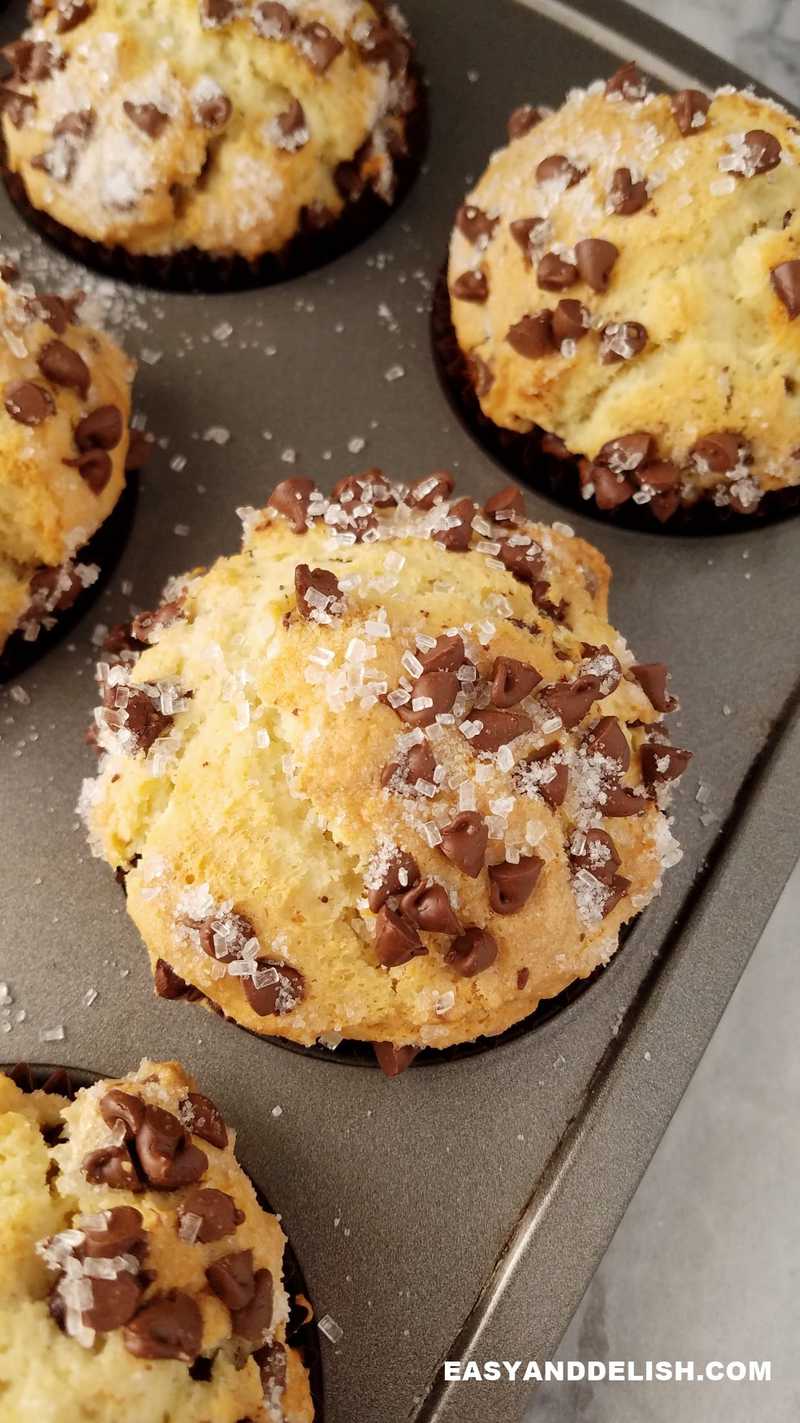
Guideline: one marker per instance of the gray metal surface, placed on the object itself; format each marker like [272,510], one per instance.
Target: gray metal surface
[461,1208]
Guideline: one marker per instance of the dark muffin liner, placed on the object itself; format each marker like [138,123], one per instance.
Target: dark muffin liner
[301,1332]
[523,457]
[104,548]
[192,270]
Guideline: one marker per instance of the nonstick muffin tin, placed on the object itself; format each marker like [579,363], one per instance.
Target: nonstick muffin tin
[459,1210]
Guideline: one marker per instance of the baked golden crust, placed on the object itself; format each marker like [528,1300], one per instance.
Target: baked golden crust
[654,288]
[255,782]
[64,416]
[75,1341]
[206,124]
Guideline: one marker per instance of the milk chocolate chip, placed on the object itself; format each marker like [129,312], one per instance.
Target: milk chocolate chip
[511,884]
[472,952]
[217,1212]
[167,1327]
[512,681]
[396,939]
[291,498]
[464,842]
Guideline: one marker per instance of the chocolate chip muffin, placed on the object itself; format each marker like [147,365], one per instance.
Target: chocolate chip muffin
[139,1276]
[388,774]
[64,416]
[190,137]
[625,276]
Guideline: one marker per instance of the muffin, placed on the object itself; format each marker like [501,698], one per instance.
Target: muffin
[388,774]
[139,1276]
[625,277]
[191,138]
[65,397]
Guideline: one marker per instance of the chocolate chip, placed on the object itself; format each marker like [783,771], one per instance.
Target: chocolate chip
[393,1059]
[95,469]
[323,585]
[205,1120]
[614,892]
[621,341]
[571,701]
[446,655]
[554,273]
[169,984]
[659,476]
[438,690]
[78,125]
[762,151]
[554,446]
[371,487]
[471,286]
[419,764]
[686,105]
[271,1361]
[102,429]
[720,451]
[272,20]
[63,366]
[148,117]
[661,762]
[166,1153]
[621,801]
[625,196]
[122,1234]
[216,12]
[512,884]
[523,230]
[475,224]
[232,1279]
[523,561]
[523,975]
[627,452]
[144,721]
[785,279]
[33,61]
[595,259]
[118,1106]
[254,1320]
[498,728]
[281,994]
[71,13]
[217,1212]
[481,375]
[140,449]
[396,939]
[464,842]
[291,498]
[170,1326]
[400,874]
[627,83]
[428,907]
[554,790]
[291,127]
[571,321]
[457,537]
[431,490]
[558,166]
[213,112]
[111,1166]
[381,44]
[318,46]
[596,852]
[472,952]
[17,106]
[663,506]
[114,1302]
[532,336]
[522,119]
[652,678]
[58,312]
[606,738]
[505,505]
[28,403]
[146,626]
[512,681]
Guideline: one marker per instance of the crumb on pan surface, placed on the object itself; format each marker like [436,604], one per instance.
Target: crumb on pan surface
[139,1276]
[207,125]
[387,774]
[65,402]
[625,275]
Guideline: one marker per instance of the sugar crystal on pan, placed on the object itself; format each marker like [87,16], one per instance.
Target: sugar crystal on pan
[328,1326]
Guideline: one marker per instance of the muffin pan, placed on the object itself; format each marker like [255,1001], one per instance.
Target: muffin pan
[459,1210]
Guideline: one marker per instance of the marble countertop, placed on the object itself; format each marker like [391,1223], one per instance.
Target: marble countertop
[706,1261]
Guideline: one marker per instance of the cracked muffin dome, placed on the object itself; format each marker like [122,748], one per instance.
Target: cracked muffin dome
[220,126]
[625,276]
[139,1276]
[65,394]
[387,774]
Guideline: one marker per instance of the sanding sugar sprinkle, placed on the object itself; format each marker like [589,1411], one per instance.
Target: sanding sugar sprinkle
[330,1329]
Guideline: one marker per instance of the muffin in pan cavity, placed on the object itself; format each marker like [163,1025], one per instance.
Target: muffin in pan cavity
[624,287]
[141,1276]
[65,401]
[210,143]
[388,774]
